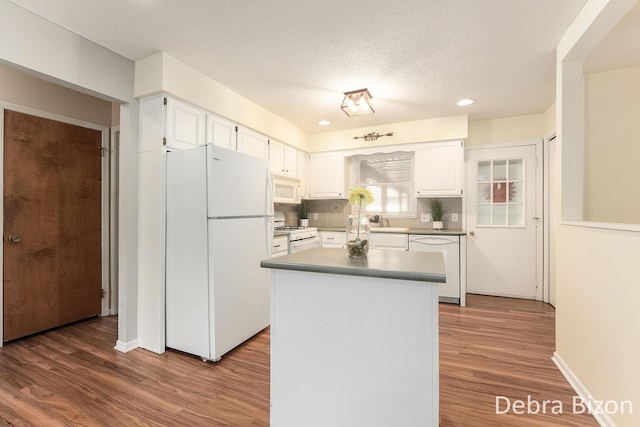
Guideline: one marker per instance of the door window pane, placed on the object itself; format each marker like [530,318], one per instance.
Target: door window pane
[515,192]
[499,214]
[516,216]
[500,170]
[500,194]
[484,171]
[515,169]
[484,193]
[484,215]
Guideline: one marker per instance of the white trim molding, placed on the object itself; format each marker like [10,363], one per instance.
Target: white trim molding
[581,390]
[125,347]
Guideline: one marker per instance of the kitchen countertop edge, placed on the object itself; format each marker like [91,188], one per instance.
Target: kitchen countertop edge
[385,264]
[425,231]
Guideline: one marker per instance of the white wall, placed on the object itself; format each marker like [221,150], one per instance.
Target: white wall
[54,53]
[508,129]
[440,129]
[612,146]
[26,90]
[163,73]
[597,313]
[597,277]
[43,49]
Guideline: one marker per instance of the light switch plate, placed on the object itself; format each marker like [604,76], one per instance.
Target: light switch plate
[315,216]
[425,217]
[454,217]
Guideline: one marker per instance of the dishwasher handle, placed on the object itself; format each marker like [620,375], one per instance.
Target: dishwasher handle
[431,241]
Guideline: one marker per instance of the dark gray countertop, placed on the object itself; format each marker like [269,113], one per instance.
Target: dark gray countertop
[426,231]
[387,264]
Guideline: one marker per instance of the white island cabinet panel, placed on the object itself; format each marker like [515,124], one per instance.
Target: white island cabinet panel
[354,342]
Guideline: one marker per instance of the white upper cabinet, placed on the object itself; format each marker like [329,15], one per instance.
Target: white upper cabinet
[291,161]
[302,173]
[253,143]
[185,126]
[276,157]
[221,132]
[326,175]
[283,159]
[439,168]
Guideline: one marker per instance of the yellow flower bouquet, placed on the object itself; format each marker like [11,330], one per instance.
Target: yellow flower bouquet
[358,226]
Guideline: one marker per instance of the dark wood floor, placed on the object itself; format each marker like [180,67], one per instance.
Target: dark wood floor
[72,376]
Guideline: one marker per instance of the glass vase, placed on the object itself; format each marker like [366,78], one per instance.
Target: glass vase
[358,230]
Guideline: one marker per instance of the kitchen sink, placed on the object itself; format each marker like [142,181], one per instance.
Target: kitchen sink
[389,229]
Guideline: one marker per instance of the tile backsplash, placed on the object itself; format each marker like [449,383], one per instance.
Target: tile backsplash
[334,212]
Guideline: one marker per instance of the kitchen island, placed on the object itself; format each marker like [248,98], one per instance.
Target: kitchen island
[354,342]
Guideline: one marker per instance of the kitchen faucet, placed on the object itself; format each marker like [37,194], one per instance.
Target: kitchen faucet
[378,220]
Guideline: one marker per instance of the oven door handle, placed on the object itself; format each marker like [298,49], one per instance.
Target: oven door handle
[314,242]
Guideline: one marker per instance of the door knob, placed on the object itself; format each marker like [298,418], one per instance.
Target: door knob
[472,233]
[14,239]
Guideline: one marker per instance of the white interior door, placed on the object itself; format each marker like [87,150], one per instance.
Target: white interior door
[504,240]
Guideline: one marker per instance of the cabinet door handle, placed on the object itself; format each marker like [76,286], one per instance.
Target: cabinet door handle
[472,233]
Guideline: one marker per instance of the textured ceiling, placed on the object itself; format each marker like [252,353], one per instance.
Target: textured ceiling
[620,48]
[297,57]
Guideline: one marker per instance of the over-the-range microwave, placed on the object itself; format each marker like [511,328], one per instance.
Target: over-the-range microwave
[286,189]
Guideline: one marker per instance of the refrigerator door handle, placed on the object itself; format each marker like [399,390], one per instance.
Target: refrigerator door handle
[269,239]
[269,197]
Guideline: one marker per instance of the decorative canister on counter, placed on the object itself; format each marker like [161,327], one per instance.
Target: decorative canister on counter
[358,227]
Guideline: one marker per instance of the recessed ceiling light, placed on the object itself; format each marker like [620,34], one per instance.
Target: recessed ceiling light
[324,122]
[467,101]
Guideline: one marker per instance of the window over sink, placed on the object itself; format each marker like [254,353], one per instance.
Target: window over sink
[389,177]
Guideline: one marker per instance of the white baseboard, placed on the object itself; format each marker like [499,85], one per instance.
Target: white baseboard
[602,418]
[126,347]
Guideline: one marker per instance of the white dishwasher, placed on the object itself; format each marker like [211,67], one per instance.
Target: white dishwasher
[449,246]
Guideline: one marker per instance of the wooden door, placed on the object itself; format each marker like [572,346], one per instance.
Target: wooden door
[52,224]
[504,229]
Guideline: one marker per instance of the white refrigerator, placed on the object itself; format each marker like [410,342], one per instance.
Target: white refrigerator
[219,227]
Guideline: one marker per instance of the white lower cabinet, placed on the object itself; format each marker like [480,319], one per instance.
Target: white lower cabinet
[393,241]
[279,246]
[333,239]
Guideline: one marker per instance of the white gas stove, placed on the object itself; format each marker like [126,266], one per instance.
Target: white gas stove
[299,238]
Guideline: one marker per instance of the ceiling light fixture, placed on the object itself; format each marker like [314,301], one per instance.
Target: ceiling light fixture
[357,102]
[466,101]
[324,122]
[373,136]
